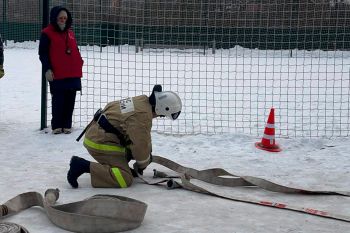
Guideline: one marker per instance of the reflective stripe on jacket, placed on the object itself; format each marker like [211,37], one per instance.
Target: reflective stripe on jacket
[103,147]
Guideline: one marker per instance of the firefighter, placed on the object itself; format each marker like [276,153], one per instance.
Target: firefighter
[119,133]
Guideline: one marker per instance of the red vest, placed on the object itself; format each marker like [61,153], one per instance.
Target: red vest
[64,65]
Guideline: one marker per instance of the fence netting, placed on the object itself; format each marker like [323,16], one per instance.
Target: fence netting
[230,61]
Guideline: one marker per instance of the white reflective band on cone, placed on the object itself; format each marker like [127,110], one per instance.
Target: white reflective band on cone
[269,137]
[270,126]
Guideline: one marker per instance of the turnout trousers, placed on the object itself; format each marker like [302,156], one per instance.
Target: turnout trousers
[111,171]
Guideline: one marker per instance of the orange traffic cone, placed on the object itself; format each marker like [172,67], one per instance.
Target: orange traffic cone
[268,141]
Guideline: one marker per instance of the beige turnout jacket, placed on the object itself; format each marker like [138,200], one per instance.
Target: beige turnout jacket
[133,118]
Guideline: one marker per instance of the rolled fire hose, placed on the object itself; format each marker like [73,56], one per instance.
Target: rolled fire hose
[99,213]
[221,177]
[9,227]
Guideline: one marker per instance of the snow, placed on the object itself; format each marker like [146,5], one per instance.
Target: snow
[34,160]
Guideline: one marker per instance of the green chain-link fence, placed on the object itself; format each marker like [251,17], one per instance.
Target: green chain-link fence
[229,60]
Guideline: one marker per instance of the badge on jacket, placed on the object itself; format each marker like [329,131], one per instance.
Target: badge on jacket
[126,105]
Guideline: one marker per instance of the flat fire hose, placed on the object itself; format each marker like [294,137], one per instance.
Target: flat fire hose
[99,213]
[214,176]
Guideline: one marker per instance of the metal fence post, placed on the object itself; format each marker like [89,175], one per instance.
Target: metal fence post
[45,22]
[4,20]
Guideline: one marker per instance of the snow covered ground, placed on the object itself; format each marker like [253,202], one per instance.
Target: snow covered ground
[34,160]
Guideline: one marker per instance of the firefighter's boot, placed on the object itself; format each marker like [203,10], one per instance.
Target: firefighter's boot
[78,166]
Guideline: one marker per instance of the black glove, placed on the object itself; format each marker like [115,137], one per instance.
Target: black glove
[138,169]
[134,174]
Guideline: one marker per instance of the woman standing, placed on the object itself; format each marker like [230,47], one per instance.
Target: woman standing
[62,64]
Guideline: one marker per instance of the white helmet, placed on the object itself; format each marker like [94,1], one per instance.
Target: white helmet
[168,104]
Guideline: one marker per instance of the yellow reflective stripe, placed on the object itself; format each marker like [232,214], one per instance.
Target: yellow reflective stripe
[103,147]
[119,177]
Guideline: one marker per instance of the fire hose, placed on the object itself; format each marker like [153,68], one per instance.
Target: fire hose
[215,176]
[99,213]
[9,227]
[111,213]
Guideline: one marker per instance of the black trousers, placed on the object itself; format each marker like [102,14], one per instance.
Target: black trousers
[63,102]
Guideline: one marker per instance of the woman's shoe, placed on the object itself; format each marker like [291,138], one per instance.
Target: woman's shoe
[67,130]
[57,131]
